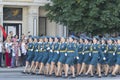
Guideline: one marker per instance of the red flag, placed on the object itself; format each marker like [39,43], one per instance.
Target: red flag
[3,32]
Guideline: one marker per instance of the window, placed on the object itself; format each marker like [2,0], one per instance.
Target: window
[42,25]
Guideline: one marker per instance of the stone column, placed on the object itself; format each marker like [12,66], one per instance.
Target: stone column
[1,20]
[61,30]
[1,15]
[33,14]
[0,0]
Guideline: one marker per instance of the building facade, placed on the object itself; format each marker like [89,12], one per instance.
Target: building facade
[23,16]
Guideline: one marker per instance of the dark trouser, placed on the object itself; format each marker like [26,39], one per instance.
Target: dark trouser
[0,59]
[23,59]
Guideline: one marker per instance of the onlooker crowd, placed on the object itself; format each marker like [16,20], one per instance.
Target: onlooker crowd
[13,51]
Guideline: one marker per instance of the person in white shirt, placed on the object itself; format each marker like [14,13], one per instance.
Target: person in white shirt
[8,52]
[23,51]
[13,61]
[1,47]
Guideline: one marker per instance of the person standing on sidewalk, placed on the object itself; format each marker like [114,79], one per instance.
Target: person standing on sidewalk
[23,52]
[8,52]
[13,59]
[1,46]
[17,55]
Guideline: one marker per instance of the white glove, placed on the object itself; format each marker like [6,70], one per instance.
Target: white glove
[113,54]
[83,53]
[51,50]
[89,54]
[65,54]
[77,57]
[57,52]
[104,58]
[41,49]
[48,48]
[105,51]
[31,49]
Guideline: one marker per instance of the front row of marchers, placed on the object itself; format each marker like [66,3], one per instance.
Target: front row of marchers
[60,56]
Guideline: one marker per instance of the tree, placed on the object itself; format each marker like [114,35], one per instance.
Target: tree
[95,16]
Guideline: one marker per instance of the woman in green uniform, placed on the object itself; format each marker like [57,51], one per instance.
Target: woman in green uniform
[86,54]
[111,56]
[62,58]
[50,54]
[45,56]
[95,48]
[55,56]
[30,55]
[35,51]
[71,55]
[80,50]
[117,63]
[40,50]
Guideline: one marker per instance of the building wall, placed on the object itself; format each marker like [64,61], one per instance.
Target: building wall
[25,20]
[42,12]
[32,9]
[18,0]
[50,26]
[1,20]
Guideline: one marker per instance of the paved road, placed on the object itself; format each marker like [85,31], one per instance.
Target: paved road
[15,74]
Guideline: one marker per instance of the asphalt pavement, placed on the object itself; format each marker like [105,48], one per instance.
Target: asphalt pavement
[15,74]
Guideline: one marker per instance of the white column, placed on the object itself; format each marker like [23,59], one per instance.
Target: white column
[65,31]
[20,26]
[1,14]
[1,20]
[33,15]
[61,30]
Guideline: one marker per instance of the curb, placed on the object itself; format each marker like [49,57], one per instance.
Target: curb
[11,69]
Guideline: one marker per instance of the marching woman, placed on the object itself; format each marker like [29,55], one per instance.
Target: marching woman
[55,56]
[36,53]
[75,41]
[86,54]
[111,56]
[102,58]
[50,54]
[94,56]
[80,50]
[71,55]
[30,55]
[40,50]
[117,63]
[45,56]
[62,58]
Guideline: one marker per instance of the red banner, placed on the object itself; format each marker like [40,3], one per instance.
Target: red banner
[3,32]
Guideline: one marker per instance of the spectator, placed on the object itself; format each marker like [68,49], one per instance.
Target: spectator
[23,36]
[13,59]
[23,51]
[16,49]
[11,34]
[8,52]
[29,35]
[1,46]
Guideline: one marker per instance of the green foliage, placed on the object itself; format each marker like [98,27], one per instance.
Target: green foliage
[95,16]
